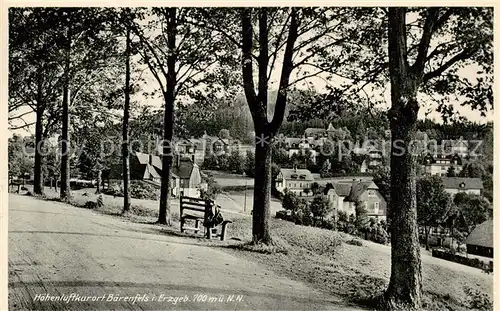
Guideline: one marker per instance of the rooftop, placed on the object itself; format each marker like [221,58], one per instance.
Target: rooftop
[299,174]
[463,183]
[482,235]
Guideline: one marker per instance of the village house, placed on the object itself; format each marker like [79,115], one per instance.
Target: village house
[301,146]
[186,178]
[318,133]
[192,148]
[480,241]
[344,195]
[220,146]
[454,185]
[439,164]
[373,161]
[459,147]
[297,181]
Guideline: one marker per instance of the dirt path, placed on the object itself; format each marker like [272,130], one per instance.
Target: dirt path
[60,252]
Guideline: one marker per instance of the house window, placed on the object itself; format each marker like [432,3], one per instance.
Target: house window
[375,207]
[300,185]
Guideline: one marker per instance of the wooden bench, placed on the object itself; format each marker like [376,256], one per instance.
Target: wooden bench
[199,211]
[16,183]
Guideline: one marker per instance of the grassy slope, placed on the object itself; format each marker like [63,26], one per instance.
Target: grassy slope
[323,259]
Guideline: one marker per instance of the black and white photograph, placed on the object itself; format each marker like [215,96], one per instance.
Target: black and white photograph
[248,157]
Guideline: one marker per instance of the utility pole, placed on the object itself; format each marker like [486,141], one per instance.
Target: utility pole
[245,204]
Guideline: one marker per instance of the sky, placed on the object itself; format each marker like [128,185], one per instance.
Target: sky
[427,110]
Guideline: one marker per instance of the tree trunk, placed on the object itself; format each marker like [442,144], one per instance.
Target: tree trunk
[125,136]
[427,237]
[262,192]
[165,194]
[98,181]
[65,161]
[406,280]
[258,104]
[38,173]
[168,124]
[405,285]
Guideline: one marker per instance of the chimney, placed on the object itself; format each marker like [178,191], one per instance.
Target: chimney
[295,168]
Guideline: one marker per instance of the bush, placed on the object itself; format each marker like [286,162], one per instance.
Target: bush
[380,235]
[291,201]
[321,206]
[478,300]
[355,242]
[143,190]
[113,191]
[384,225]
[307,219]
[327,224]
[350,228]
[377,234]
[282,215]
[303,215]
[90,205]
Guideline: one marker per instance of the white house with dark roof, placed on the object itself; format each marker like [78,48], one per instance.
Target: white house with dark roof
[191,148]
[186,178]
[295,180]
[317,132]
[300,146]
[344,196]
[454,185]
[439,164]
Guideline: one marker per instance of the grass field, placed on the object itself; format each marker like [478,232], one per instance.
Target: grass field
[324,259]
[225,179]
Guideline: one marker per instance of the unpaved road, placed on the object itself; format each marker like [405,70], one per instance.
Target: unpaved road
[60,252]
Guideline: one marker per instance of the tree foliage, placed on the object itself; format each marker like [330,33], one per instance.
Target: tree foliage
[321,207]
[474,208]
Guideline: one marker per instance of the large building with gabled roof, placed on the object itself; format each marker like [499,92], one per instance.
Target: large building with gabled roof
[345,195]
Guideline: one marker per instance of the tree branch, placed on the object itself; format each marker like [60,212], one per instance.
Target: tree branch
[278,47]
[19,116]
[458,57]
[279,110]
[423,46]
[247,64]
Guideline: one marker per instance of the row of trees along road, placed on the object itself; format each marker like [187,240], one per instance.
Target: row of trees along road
[61,61]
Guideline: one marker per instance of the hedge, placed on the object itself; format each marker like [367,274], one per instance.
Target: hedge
[471,262]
